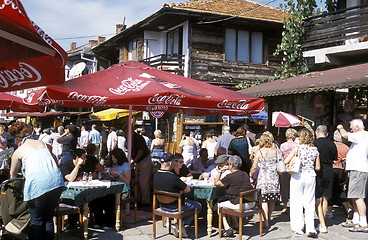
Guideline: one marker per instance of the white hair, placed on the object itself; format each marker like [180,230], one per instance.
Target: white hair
[357,123]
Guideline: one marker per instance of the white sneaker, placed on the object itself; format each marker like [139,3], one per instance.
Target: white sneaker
[175,231]
[329,215]
[322,229]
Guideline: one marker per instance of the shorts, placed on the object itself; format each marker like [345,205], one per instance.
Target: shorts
[229,205]
[357,184]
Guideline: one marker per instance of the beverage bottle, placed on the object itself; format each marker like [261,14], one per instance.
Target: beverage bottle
[90,178]
[85,177]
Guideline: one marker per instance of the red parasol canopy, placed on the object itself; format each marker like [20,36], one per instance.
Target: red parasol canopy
[149,89]
[15,103]
[282,119]
[29,57]
[39,97]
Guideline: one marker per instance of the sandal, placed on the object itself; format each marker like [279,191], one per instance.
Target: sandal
[349,224]
[284,211]
[359,229]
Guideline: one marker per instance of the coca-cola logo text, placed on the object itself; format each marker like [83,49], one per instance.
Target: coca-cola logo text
[130,84]
[49,101]
[9,2]
[15,77]
[94,99]
[241,104]
[42,33]
[172,99]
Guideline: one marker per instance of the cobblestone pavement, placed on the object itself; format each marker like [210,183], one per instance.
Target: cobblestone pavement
[280,229]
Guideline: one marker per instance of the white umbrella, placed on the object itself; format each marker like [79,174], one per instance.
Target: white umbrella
[282,119]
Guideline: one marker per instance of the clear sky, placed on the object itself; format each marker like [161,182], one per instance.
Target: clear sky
[72,20]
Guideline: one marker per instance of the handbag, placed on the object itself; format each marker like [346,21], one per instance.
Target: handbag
[294,164]
[280,165]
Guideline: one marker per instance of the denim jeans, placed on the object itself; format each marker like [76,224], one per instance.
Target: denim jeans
[42,211]
[188,205]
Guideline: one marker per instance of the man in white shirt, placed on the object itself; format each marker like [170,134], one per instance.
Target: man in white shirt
[83,140]
[357,165]
[220,161]
[112,139]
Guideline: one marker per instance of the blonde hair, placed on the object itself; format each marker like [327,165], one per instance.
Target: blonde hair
[266,141]
[268,133]
[306,137]
[291,134]
[157,133]
[2,127]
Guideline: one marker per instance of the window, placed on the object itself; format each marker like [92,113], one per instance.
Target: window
[243,46]
[174,44]
[132,56]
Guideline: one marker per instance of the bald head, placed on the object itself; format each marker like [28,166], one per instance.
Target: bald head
[321,131]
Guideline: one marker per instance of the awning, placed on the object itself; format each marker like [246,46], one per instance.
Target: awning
[345,77]
[44,114]
[110,114]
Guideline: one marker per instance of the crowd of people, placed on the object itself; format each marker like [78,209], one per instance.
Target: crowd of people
[333,171]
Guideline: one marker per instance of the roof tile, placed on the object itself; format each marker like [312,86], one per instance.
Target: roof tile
[239,8]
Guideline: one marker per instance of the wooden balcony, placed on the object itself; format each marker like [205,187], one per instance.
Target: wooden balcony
[343,27]
[168,62]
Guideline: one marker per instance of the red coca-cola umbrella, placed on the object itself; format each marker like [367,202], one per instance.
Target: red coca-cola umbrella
[39,97]
[29,57]
[149,89]
[15,103]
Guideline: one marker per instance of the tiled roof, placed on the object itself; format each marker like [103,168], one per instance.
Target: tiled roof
[239,8]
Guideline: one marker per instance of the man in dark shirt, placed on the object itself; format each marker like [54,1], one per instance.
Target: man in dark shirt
[69,141]
[166,180]
[143,165]
[325,177]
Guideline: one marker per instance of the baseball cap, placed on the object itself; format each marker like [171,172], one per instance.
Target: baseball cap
[222,158]
[167,157]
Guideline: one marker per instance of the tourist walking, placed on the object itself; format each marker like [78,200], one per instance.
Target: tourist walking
[268,180]
[357,165]
[303,185]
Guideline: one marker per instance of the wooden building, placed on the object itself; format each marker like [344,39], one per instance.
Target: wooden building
[336,90]
[222,42]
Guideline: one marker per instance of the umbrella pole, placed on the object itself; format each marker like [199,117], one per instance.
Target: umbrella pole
[130,134]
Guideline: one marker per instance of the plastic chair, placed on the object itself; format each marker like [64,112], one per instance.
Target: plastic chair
[253,195]
[167,198]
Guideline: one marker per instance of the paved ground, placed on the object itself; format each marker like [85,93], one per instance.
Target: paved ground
[280,229]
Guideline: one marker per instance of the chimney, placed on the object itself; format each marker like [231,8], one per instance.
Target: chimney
[120,28]
[93,43]
[101,39]
[73,45]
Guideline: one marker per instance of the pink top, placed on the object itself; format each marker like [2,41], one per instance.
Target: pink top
[286,148]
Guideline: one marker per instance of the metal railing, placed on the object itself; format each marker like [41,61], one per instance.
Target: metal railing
[167,62]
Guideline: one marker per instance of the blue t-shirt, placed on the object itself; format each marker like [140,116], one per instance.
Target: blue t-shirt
[42,173]
[122,168]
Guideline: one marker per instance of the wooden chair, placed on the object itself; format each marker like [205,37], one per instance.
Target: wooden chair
[167,198]
[253,195]
[61,210]
[130,199]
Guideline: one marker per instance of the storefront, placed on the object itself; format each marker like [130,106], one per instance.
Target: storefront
[326,97]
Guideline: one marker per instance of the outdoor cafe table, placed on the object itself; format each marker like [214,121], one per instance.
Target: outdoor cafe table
[83,193]
[208,192]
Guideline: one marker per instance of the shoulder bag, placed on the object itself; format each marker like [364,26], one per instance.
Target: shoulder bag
[280,165]
[294,165]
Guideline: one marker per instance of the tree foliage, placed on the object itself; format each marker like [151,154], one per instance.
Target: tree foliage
[290,47]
